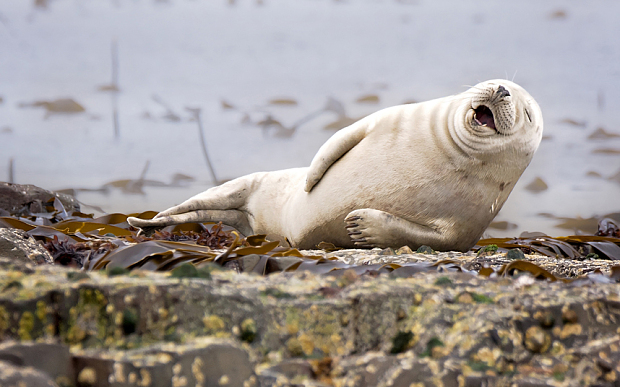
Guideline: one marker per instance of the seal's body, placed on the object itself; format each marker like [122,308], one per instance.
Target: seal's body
[433,173]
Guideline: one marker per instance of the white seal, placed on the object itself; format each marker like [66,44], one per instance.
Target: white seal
[433,173]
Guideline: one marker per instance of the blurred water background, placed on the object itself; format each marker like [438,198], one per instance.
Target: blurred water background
[108,98]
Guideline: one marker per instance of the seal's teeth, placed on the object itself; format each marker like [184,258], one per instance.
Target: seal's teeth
[484,116]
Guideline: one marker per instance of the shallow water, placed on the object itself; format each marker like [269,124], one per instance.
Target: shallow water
[182,53]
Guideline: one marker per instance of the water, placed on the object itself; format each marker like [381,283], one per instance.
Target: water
[176,54]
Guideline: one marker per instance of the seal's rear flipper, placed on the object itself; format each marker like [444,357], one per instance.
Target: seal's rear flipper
[370,228]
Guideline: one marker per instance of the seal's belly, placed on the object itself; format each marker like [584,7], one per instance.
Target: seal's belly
[402,182]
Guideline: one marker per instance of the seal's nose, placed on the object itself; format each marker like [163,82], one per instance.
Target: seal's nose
[502,91]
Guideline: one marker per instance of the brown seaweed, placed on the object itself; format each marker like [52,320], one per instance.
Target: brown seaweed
[108,242]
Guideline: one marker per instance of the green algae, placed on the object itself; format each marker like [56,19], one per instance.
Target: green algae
[441,281]
[187,270]
[432,343]
[89,322]
[74,276]
[12,285]
[248,330]
[401,341]
[114,271]
[277,293]
[213,324]
[5,322]
[26,325]
[481,298]
[129,321]
[292,319]
[488,250]
[41,311]
[424,250]
[479,366]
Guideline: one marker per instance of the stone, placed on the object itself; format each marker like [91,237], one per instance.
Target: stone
[365,370]
[515,254]
[17,199]
[291,368]
[204,361]
[247,329]
[17,245]
[51,358]
[408,372]
[14,376]
[11,264]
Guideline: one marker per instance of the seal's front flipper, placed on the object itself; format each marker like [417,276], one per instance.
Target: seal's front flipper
[370,228]
[337,145]
[217,204]
[233,218]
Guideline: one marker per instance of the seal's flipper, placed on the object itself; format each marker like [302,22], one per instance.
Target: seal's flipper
[233,218]
[230,195]
[370,228]
[218,204]
[339,144]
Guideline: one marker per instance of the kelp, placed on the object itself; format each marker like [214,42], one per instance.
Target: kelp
[368,98]
[108,242]
[604,245]
[537,185]
[62,105]
[283,102]
[606,151]
[602,134]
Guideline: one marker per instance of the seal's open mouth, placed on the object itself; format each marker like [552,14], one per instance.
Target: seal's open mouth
[484,117]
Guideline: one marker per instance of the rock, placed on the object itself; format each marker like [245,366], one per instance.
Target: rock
[18,246]
[11,264]
[19,199]
[537,340]
[285,371]
[236,329]
[53,359]
[203,361]
[365,370]
[515,254]
[13,376]
[410,371]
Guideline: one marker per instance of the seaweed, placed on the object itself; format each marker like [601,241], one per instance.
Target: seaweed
[194,249]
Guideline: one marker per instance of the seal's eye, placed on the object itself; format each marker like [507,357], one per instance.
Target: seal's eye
[527,114]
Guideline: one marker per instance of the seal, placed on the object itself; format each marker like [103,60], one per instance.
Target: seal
[432,173]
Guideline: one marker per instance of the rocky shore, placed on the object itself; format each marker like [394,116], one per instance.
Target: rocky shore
[437,328]
[440,319]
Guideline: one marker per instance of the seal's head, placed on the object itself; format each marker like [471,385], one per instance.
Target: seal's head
[496,116]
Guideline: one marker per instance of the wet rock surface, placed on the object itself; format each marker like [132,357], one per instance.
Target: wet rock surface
[16,199]
[342,328]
